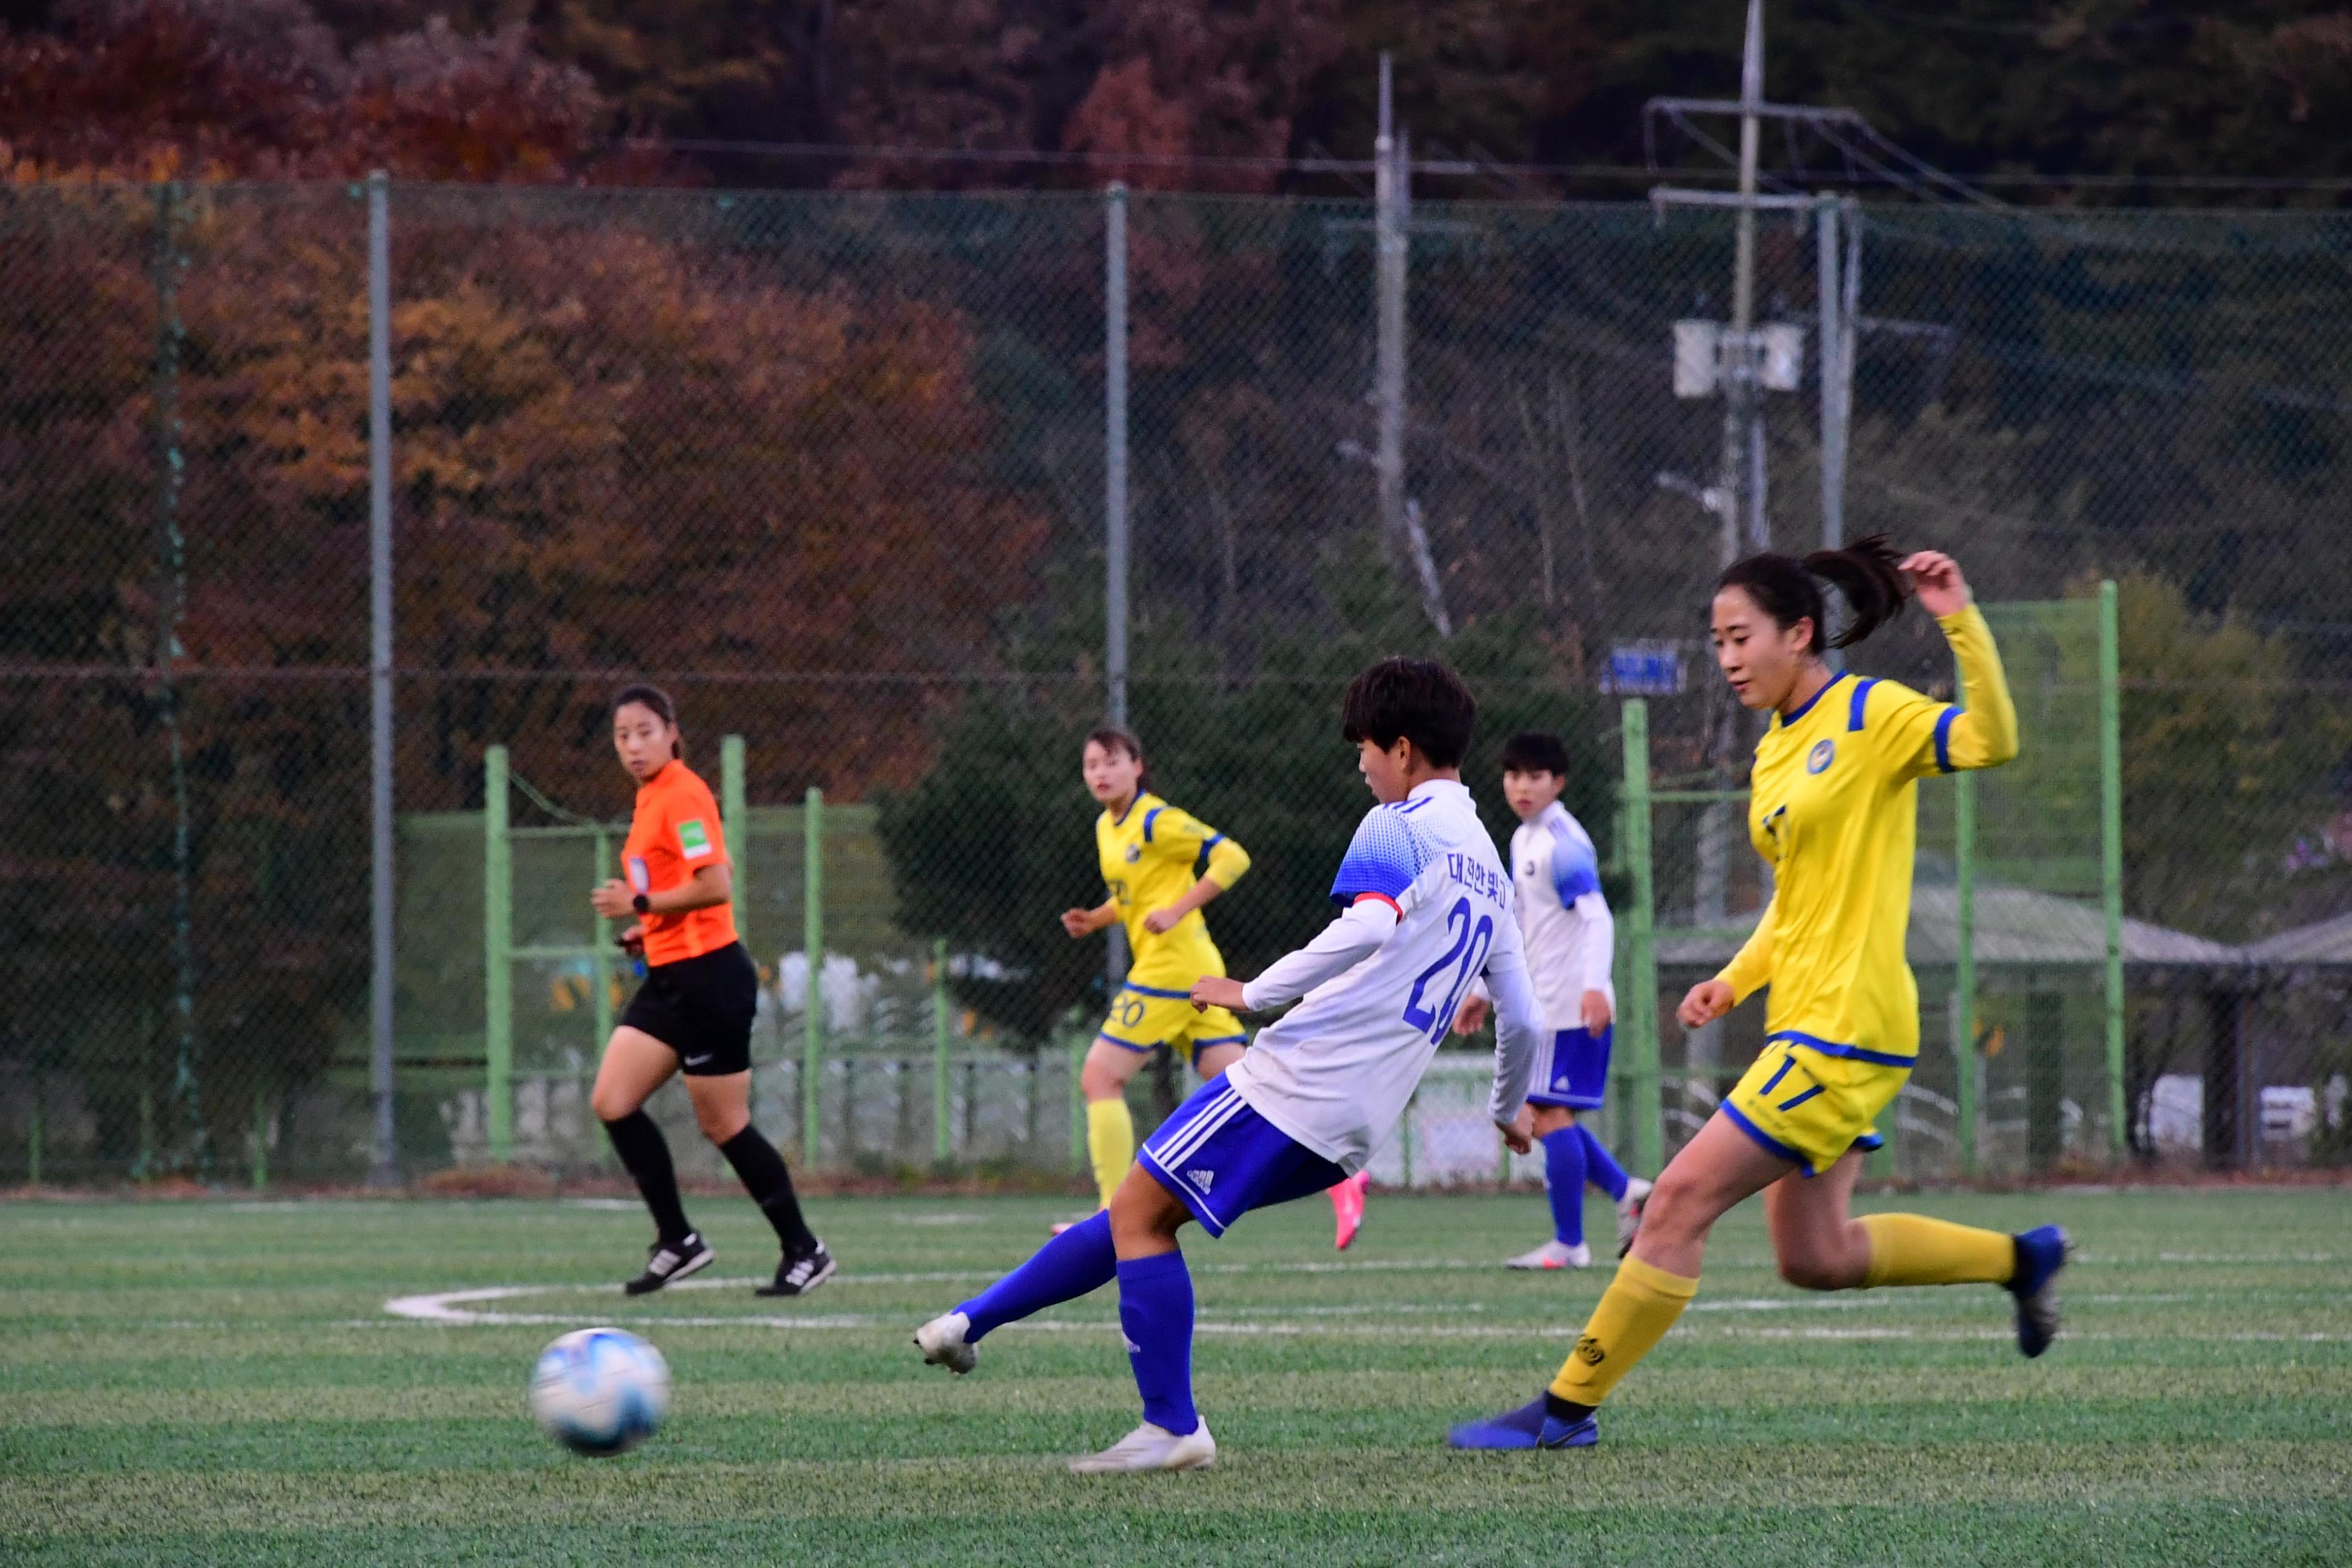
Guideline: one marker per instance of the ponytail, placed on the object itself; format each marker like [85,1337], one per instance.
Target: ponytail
[1788,590]
[656,700]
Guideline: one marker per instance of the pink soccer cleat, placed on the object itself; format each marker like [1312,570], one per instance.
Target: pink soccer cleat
[1347,1208]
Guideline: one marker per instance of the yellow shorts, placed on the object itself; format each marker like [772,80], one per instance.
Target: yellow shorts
[1810,1107]
[1145,1018]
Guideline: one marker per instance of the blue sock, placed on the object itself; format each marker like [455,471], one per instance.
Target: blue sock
[1564,1184]
[1155,1310]
[1600,1167]
[1078,1260]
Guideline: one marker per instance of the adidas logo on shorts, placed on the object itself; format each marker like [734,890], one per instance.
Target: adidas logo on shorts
[1201,1179]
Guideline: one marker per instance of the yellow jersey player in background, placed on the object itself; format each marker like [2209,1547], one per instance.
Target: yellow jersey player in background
[1833,808]
[1159,865]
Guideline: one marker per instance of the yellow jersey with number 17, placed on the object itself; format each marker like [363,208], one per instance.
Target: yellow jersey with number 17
[1834,807]
[1151,855]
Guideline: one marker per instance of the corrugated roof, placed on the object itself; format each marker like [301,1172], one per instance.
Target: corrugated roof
[2322,941]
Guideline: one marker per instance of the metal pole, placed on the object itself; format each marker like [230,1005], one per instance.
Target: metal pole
[1114,518]
[497,964]
[1740,487]
[1115,512]
[1739,378]
[1830,300]
[2111,853]
[1964,969]
[813,945]
[1640,1006]
[735,821]
[386,1170]
[1849,335]
[1390,171]
[170,465]
[942,1143]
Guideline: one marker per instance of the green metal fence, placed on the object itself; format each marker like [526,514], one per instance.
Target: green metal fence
[843,469]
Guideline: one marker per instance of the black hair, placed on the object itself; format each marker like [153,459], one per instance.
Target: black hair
[654,697]
[1113,737]
[1790,590]
[1419,700]
[1535,752]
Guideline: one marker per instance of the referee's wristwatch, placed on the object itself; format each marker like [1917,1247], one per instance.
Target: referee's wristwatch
[642,904]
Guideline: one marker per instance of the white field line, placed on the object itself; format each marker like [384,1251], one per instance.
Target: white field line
[470,1309]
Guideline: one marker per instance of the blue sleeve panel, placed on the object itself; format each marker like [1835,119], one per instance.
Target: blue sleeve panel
[1384,857]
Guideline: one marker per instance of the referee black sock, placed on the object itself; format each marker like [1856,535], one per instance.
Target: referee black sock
[763,1175]
[645,1153]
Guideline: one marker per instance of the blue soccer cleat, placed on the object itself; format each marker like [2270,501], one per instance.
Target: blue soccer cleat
[1532,1425]
[2041,1254]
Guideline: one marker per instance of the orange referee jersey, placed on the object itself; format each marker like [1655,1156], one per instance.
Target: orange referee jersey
[675,833]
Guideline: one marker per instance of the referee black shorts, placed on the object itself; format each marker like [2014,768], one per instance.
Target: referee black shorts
[701,1008]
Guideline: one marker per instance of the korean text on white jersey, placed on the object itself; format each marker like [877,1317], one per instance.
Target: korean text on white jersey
[1427,908]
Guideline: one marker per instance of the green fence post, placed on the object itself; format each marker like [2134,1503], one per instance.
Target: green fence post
[813,945]
[260,1141]
[1964,969]
[1646,1104]
[35,1136]
[2111,851]
[735,823]
[600,966]
[498,966]
[942,1143]
[1080,1157]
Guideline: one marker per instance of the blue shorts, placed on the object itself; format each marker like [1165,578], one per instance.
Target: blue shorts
[1221,1158]
[1577,1075]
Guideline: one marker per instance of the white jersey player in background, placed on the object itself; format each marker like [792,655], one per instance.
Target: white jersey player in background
[1425,909]
[1572,944]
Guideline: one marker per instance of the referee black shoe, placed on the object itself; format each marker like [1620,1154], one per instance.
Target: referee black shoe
[671,1261]
[799,1276]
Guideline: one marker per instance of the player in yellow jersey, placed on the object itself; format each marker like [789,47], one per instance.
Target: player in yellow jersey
[1159,865]
[1833,808]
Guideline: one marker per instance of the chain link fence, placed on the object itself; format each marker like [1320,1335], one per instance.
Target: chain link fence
[834,469]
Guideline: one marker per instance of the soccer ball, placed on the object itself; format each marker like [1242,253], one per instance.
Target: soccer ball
[600,1391]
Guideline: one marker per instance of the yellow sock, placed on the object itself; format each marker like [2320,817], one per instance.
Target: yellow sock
[1912,1249]
[1110,1144]
[1631,1316]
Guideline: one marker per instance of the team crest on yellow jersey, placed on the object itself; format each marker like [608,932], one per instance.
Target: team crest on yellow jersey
[1134,853]
[1824,754]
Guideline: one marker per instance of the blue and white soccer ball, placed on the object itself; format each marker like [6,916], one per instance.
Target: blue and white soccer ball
[600,1391]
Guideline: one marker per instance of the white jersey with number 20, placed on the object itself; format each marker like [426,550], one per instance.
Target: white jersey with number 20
[1336,1072]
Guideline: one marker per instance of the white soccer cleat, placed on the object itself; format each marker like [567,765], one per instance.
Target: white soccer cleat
[1629,1212]
[942,1343]
[1150,1447]
[1553,1254]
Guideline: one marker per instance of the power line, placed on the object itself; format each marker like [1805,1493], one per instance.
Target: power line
[1629,174]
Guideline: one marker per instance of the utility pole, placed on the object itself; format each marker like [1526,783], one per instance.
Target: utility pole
[1739,392]
[1741,363]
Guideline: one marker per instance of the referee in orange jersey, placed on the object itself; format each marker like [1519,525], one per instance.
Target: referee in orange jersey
[693,1014]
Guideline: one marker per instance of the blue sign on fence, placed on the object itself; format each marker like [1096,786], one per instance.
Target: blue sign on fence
[1644,670]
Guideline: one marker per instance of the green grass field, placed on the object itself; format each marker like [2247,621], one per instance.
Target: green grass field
[222,1382]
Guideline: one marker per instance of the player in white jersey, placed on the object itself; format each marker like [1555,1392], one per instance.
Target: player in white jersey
[1572,942]
[1425,909]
